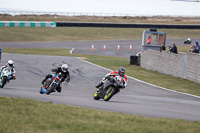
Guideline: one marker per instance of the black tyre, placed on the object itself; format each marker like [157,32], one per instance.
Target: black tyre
[53,86]
[3,81]
[96,96]
[109,93]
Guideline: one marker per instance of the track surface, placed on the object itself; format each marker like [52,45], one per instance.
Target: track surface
[138,98]
[84,47]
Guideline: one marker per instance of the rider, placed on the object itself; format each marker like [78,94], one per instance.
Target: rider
[10,65]
[64,73]
[120,72]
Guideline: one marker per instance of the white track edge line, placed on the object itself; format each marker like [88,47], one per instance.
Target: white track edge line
[144,81]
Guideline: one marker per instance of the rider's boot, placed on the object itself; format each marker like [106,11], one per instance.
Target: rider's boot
[100,84]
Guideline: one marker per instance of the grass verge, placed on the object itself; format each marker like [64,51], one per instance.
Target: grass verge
[114,63]
[32,34]
[30,116]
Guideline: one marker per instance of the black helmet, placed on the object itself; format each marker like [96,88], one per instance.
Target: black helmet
[121,71]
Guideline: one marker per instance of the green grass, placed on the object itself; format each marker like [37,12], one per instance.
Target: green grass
[30,34]
[114,63]
[30,116]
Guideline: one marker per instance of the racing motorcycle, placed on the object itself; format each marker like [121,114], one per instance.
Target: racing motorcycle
[187,41]
[51,84]
[6,74]
[111,86]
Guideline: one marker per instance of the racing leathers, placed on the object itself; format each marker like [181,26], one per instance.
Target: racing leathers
[113,73]
[13,76]
[65,76]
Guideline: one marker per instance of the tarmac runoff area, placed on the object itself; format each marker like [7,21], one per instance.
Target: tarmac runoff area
[138,98]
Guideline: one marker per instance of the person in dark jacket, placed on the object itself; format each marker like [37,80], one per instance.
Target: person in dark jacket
[173,49]
[162,48]
[65,76]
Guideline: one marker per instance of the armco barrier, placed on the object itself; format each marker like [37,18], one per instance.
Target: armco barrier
[120,25]
[26,24]
[81,24]
[181,65]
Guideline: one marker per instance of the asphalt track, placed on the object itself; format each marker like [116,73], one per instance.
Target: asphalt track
[138,98]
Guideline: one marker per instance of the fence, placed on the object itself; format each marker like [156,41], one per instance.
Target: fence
[13,13]
[181,65]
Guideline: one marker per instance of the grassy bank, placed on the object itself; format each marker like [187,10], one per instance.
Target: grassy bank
[29,116]
[107,19]
[114,63]
[31,34]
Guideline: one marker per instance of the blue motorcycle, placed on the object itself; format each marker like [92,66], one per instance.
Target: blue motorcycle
[51,84]
[6,74]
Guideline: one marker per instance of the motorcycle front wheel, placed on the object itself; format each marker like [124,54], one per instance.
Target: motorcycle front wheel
[3,81]
[109,93]
[52,87]
[96,95]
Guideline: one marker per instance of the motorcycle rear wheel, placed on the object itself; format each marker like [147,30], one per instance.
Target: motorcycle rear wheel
[96,96]
[3,81]
[109,94]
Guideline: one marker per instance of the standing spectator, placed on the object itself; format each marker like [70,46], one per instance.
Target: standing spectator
[149,40]
[162,47]
[0,53]
[197,48]
[173,49]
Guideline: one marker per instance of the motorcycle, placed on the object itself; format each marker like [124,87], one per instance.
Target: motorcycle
[6,74]
[51,84]
[112,86]
[187,41]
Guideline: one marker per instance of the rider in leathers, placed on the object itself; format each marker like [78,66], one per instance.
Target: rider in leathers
[10,64]
[120,72]
[65,76]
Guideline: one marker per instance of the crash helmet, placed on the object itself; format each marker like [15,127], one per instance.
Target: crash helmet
[10,63]
[121,71]
[64,67]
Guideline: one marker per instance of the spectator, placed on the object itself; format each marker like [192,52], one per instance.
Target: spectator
[192,49]
[197,48]
[173,49]
[162,47]
[0,53]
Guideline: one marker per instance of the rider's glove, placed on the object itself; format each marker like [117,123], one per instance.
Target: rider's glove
[67,80]
[107,77]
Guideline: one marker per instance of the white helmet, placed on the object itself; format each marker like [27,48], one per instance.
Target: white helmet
[64,67]
[10,63]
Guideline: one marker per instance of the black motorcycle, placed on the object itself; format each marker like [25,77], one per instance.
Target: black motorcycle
[111,86]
